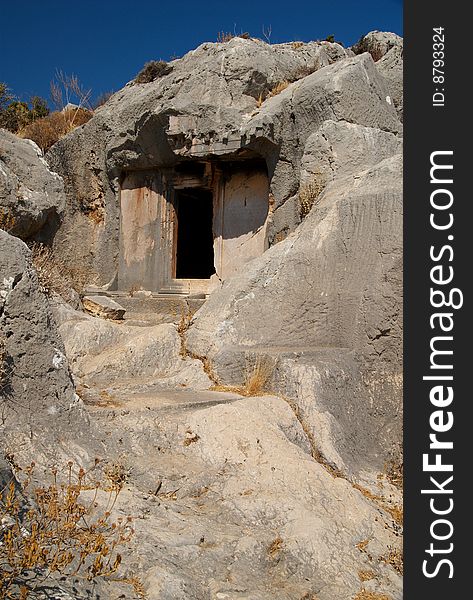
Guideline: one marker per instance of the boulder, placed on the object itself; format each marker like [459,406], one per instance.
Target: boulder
[37,387]
[32,197]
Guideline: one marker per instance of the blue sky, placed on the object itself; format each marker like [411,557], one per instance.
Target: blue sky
[105,43]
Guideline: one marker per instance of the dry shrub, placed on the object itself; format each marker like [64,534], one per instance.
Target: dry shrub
[182,327]
[366,575]
[278,88]
[57,534]
[363,45]
[309,194]
[223,37]
[7,220]
[258,377]
[153,70]
[297,45]
[47,131]
[395,558]
[362,545]
[394,470]
[274,91]
[55,277]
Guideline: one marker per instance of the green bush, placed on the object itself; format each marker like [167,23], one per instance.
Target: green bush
[15,114]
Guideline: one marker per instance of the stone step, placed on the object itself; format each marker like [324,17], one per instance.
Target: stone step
[144,308]
[147,395]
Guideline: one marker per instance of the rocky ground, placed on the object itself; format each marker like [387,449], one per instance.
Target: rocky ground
[255,439]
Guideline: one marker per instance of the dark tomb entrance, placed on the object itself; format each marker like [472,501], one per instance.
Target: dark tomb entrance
[195,250]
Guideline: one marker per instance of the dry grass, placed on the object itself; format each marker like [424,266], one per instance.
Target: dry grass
[7,220]
[223,37]
[362,545]
[47,131]
[365,595]
[395,511]
[259,101]
[58,535]
[278,88]
[309,194]
[182,327]
[275,547]
[257,379]
[55,276]
[116,475]
[366,575]
[394,471]
[395,559]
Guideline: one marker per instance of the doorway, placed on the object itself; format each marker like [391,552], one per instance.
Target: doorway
[194,258]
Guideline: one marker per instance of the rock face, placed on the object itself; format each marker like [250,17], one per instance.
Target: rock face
[36,387]
[276,489]
[31,196]
[202,107]
[387,50]
[327,296]
[324,301]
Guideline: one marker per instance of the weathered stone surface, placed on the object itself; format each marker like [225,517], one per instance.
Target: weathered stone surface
[334,283]
[387,50]
[237,497]
[200,108]
[31,195]
[104,351]
[104,307]
[241,508]
[38,382]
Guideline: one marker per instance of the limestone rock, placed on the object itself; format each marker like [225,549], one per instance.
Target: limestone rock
[387,51]
[104,307]
[235,497]
[103,351]
[38,376]
[335,283]
[200,108]
[31,196]
[242,509]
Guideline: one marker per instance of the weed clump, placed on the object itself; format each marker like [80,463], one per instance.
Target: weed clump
[309,194]
[257,379]
[50,533]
